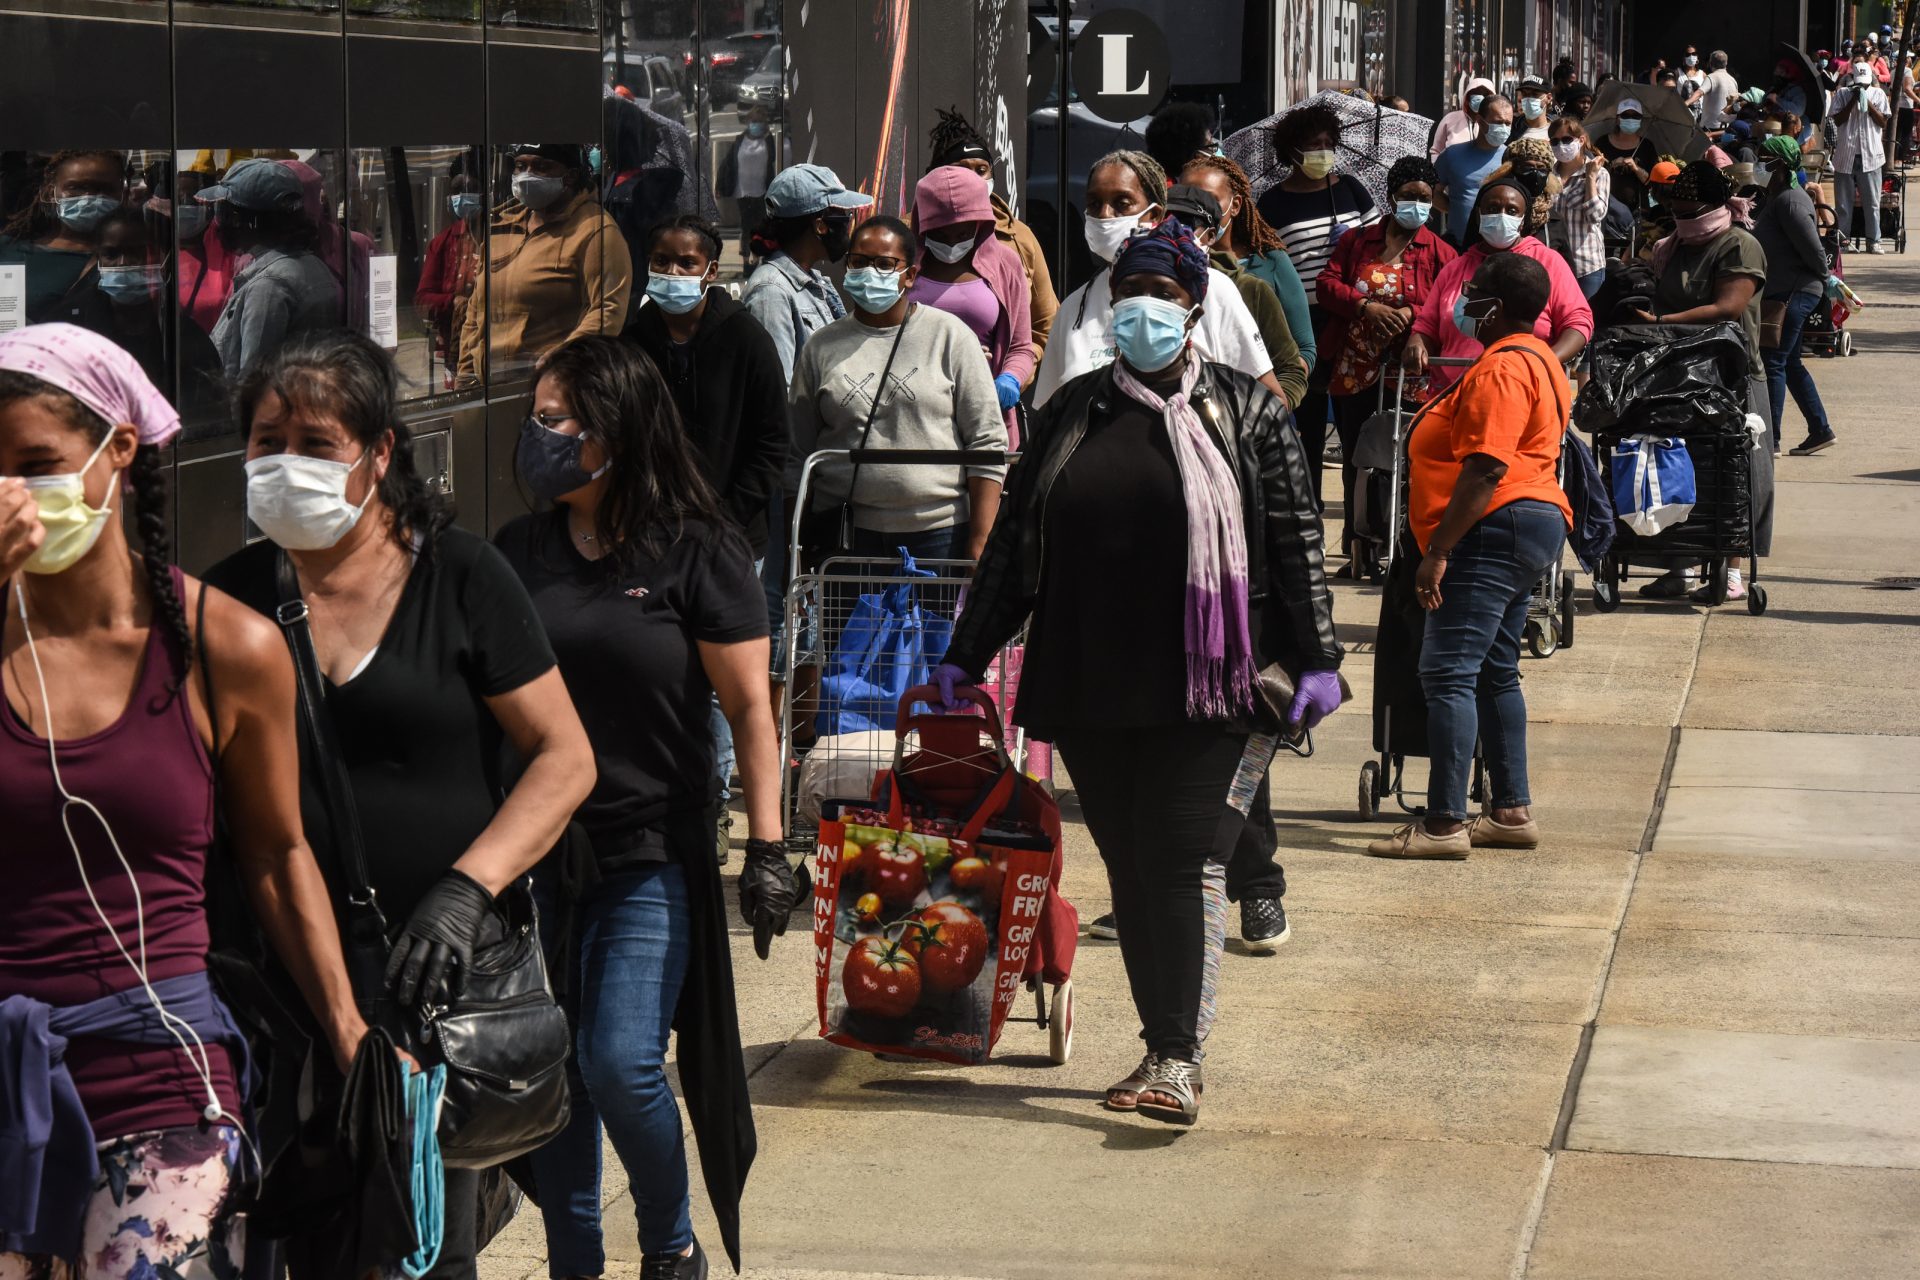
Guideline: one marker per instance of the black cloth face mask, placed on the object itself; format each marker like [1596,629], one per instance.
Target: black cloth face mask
[549,461]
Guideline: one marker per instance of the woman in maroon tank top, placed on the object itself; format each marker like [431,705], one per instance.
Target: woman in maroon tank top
[106,700]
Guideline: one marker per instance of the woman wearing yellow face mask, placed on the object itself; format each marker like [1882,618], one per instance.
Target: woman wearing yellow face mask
[110,743]
[1310,211]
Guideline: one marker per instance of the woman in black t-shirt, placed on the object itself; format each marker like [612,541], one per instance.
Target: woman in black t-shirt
[429,651]
[649,595]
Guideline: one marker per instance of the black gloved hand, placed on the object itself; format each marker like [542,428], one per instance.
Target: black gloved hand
[430,958]
[768,891]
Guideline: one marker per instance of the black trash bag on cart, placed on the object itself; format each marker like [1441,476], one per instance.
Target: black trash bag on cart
[1666,379]
[1396,660]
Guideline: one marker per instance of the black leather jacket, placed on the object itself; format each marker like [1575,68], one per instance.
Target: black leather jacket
[1286,575]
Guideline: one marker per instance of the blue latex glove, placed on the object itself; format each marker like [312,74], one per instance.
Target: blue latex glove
[1833,287]
[1317,697]
[1009,388]
[950,680]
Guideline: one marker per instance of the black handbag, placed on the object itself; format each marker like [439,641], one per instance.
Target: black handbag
[502,1038]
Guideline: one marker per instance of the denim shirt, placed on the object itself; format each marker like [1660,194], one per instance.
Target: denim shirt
[792,304]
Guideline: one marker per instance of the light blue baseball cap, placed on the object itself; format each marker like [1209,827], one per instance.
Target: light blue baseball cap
[802,189]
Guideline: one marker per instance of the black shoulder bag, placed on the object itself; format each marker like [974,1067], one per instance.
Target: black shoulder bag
[502,1038]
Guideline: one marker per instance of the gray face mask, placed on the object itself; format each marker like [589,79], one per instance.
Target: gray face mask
[537,191]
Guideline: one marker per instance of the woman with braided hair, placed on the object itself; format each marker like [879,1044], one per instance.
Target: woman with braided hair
[111,739]
[1530,161]
[1255,244]
[953,140]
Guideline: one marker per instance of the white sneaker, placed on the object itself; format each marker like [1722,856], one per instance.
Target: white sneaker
[1880,246]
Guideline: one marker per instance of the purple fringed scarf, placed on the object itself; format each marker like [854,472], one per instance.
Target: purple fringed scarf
[1219,647]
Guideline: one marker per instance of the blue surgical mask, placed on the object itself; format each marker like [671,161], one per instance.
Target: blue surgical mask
[130,284]
[1469,326]
[873,290]
[756,129]
[1533,108]
[1628,124]
[190,220]
[1150,333]
[675,295]
[465,204]
[1411,214]
[81,214]
[1501,230]
[1475,101]
[1498,134]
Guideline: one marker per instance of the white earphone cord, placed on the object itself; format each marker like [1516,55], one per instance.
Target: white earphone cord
[197,1056]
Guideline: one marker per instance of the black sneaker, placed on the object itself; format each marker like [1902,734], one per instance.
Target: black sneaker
[1812,445]
[675,1266]
[1263,925]
[1104,927]
[723,840]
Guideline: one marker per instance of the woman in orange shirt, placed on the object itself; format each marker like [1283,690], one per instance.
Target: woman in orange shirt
[1489,517]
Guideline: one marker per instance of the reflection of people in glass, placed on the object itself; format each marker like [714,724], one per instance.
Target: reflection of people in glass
[745,172]
[56,234]
[453,264]
[557,266]
[285,289]
[336,246]
[126,308]
[205,272]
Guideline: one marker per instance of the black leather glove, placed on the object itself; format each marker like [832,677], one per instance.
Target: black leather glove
[768,891]
[430,958]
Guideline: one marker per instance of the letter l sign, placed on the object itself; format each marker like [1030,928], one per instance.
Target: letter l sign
[1113,65]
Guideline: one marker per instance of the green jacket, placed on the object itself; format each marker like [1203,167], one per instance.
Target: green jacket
[1271,319]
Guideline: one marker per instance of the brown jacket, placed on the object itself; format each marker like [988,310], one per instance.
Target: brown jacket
[1039,280]
[568,277]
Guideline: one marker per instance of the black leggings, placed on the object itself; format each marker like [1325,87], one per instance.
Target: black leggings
[1156,803]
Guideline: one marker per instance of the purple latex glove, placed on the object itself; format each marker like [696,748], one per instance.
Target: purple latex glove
[1317,697]
[951,679]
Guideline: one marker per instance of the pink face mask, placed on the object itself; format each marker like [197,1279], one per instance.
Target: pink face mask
[1703,228]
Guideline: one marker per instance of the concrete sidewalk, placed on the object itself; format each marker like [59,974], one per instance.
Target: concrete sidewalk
[1680,1040]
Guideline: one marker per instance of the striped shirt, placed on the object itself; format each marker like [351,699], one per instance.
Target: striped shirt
[1310,223]
[1573,225]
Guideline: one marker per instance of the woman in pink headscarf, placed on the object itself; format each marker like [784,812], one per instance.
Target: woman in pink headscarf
[109,802]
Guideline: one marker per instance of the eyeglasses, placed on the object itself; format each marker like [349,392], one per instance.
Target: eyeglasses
[549,421]
[878,261]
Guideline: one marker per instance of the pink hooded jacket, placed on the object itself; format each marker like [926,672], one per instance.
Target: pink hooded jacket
[950,195]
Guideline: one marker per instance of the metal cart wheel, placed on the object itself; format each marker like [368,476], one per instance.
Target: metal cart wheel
[1369,796]
[1756,599]
[1566,610]
[1540,640]
[1060,1024]
[1717,583]
[1845,343]
[1606,588]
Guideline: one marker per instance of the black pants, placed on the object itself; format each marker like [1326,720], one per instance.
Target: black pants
[1252,871]
[1156,803]
[1350,413]
[1310,419]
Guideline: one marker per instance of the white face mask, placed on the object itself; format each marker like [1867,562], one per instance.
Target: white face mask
[1566,151]
[950,252]
[301,503]
[72,525]
[1106,235]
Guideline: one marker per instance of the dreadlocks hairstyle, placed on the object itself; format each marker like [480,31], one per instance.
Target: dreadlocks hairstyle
[953,139]
[147,476]
[32,219]
[1249,228]
[1153,179]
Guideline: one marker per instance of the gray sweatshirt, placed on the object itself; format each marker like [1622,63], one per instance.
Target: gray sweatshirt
[939,395]
[1796,262]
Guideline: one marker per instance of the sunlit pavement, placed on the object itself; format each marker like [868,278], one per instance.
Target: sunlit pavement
[1681,1039]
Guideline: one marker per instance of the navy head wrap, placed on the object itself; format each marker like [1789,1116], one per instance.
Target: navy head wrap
[1167,250]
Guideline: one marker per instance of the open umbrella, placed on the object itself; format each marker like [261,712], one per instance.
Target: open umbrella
[1808,77]
[1371,139]
[1666,121]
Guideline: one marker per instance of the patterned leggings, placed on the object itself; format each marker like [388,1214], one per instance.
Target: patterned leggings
[157,1211]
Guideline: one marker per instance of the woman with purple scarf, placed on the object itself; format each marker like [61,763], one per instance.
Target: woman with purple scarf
[1124,534]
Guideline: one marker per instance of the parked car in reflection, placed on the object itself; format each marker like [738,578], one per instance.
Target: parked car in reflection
[651,79]
[732,60]
[1088,138]
[766,87]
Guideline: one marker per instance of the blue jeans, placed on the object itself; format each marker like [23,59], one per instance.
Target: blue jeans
[1787,371]
[1590,283]
[635,939]
[1470,656]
